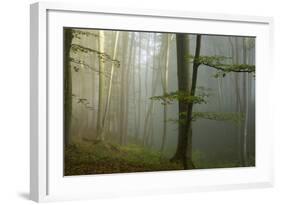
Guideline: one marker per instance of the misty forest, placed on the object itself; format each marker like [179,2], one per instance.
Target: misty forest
[149,101]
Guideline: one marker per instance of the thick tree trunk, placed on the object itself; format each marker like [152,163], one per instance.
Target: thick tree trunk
[184,149]
[67,86]
[187,162]
[183,72]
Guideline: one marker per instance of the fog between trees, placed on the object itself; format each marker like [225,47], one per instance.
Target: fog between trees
[136,88]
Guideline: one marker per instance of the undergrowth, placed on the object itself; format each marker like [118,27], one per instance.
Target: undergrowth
[83,158]
[104,158]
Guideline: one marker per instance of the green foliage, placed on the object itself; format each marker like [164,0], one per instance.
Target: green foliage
[78,64]
[220,74]
[222,64]
[182,96]
[208,59]
[77,33]
[99,157]
[217,116]
[102,56]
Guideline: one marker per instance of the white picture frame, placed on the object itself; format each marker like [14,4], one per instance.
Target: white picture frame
[47,182]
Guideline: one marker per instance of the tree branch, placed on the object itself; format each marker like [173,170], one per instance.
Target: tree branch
[239,68]
[216,63]
[103,56]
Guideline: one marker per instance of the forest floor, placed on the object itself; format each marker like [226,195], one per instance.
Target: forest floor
[85,158]
[101,157]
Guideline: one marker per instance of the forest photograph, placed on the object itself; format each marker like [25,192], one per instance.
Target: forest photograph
[143,101]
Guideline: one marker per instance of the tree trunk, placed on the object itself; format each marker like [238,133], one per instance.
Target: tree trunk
[187,162]
[246,108]
[139,89]
[101,85]
[183,72]
[126,113]
[235,60]
[123,68]
[67,86]
[114,55]
[147,118]
[165,91]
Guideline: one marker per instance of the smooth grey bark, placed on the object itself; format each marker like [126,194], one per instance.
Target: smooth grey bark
[139,88]
[126,114]
[122,87]
[235,60]
[114,55]
[101,85]
[164,80]
[147,119]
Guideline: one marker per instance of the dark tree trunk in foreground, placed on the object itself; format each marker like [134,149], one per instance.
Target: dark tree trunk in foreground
[183,71]
[187,162]
[67,37]
[184,148]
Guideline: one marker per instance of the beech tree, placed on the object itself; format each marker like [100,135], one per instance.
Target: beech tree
[166,100]
[187,97]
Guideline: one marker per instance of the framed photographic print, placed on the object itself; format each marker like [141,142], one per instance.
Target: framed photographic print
[128,102]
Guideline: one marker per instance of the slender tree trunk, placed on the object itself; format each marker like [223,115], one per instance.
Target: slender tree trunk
[139,89]
[93,91]
[101,85]
[123,88]
[151,103]
[165,91]
[147,118]
[114,55]
[67,86]
[136,126]
[187,163]
[146,72]
[126,114]
[235,57]
[246,101]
